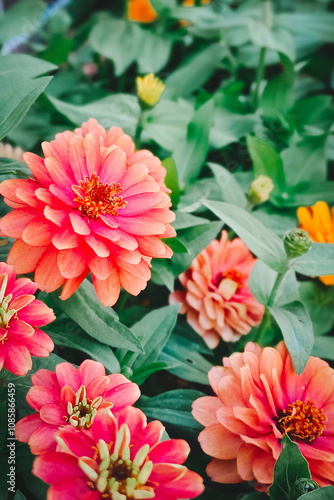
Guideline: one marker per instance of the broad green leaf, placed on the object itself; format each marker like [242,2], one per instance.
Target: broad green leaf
[153,331]
[297,329]
[230,126]
[185,221]
[19,496]
[125,42]
[163,7]
[318,261]
[171,180]
[141,374]
[262,280]
[194,71]
[175,244]
[192,365]
[121,110]
[325,493]
[13,167]
[266,162]
[166,124]
[191,153]
[318,25]
[230,188]
[276,98]
[299,161]
[318,299]
[324,347]
[21,20]
[67,334]
[162,273]
[98,321]
[173,407]
[23,64]
[15,101]
[313,114]
[277,38]
[290,466]
[259,239]
[279,221]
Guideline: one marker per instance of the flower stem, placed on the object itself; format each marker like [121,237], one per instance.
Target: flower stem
[138,132]
[266,318]
[266,18]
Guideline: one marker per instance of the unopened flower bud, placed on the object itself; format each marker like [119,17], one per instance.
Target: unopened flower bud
[149,89]
[302,486]
[260,190]
[296,243]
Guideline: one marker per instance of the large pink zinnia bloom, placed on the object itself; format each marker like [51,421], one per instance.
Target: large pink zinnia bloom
[121,457]
[94,204]
[70,397]
[259,399]
[217,299]
[20,315]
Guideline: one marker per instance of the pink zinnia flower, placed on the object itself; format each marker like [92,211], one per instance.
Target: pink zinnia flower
[217,300]
[259,399]
[70,397]
[20,315]
[94,205]
[120,457]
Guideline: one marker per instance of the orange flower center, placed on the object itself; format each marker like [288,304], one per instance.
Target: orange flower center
[95,198]
[302,420]
[232,275]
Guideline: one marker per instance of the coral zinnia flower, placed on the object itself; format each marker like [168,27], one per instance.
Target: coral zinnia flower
[20,314]
[120,457]
[95,205]
[217,299]
[259,399]
[318,222]
[70,397]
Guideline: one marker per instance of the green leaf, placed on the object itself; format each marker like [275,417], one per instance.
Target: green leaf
[68,334]
[299,161]
[230,188]
[194,71]
[141,374]
[27,66]
[296,326]
[290,466]
[262,280]
[9,166]
[192,365]
[191,153]
[175,244]
[318,299]
[318,261]
[313,114]
[276,38]
[98,321]
[266,162]
[323,347]
[229,126]
[121,110]
[21,20]
[325,493]
[259,239]
[173,407]
[185,221]
[19,496]
[171,180]
[317,25]
[16,100]
[167,122]
[276,98]
[125,42]
[153,331]
[162,273]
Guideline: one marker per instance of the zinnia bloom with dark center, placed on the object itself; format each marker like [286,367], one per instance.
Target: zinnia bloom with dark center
[70,398]
[318,222]
[259,399]
[217,299]
[121,457]
[20,316]
[94,204]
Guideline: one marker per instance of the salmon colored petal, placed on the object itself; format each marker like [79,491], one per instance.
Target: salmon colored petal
[17,358]
[72,262]
[39,344]
[53,414]
[205,409]
[71,285]
[42,439]
[26,426]
[89,370]
[14,223]
[47,274]
[223,471]
[108,290]
[211,439]
[38,169]
[174,451]
[97,387]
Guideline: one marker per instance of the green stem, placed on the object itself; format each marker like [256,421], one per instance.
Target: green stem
[266,318]
[259,77]
[138,132]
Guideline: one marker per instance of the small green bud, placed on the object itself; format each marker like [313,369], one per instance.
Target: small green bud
[260,190]
[302,486]
[296,243]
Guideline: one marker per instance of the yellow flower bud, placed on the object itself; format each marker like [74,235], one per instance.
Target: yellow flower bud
[260,190]
[149,89]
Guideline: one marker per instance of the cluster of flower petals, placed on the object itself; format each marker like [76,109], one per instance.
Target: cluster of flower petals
[70,397]
[94,205]
[259,399]
[216,295]
[120,457]
[21,315]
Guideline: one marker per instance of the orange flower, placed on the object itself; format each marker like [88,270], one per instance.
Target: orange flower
[318,222]
[141,11]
